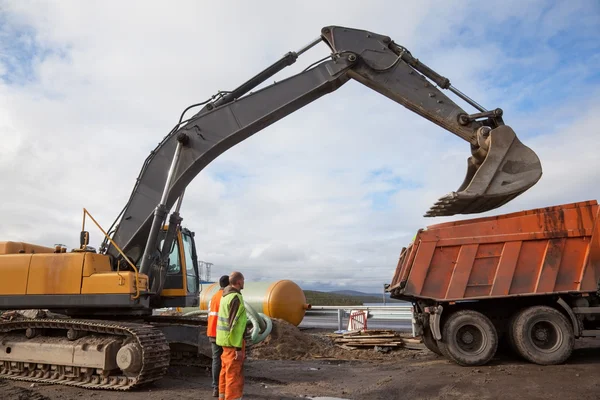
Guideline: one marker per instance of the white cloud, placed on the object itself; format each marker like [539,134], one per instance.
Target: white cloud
[118,75]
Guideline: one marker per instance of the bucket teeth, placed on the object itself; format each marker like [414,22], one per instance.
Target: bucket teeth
[453,204]
[509,169]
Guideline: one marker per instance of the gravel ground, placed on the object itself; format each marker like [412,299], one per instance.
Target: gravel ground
[410,374]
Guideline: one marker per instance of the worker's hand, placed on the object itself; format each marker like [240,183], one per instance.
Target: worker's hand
[239,355]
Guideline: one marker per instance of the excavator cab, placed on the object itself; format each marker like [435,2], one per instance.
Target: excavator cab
[181,286]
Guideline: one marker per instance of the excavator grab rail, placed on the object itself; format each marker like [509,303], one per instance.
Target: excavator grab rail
[499,167]
[85,235]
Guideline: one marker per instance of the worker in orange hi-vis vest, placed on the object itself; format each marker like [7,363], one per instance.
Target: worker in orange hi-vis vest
[211,332]
[231,332]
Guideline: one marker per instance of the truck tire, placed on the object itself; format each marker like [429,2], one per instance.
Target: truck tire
[510,336]
[430,342]
[542,335]
[469,338]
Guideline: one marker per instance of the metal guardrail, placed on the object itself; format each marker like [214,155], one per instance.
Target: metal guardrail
[384,313]
[393,308]
[377,312]
[396,313]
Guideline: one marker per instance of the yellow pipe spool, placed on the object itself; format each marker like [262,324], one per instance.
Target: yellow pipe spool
[282,299]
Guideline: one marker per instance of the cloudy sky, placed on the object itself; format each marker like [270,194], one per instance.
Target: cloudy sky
[329,195]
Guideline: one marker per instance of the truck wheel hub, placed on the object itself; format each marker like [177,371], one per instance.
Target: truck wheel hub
[541,334]
[467,338]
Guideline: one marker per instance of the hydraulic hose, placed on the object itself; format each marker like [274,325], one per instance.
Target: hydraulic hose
[258,320]
[261,324]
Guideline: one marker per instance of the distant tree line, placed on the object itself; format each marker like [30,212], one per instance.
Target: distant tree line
[316,298]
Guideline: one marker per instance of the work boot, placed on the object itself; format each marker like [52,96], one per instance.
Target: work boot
[216,392]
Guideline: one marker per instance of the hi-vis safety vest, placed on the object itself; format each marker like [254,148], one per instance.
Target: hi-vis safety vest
[213,313]
[235,336]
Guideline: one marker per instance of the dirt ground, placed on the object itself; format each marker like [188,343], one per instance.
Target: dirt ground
[281,369]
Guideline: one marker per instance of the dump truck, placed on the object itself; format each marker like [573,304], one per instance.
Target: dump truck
[530,279]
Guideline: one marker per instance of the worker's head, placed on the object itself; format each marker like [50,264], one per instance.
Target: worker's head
[224,281]
[236,280]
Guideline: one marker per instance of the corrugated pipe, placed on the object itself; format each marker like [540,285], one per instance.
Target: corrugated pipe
[258,321]
[261,324]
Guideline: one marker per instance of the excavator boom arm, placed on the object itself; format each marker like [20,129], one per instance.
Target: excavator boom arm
[380,66]
[213,132]
[371,59]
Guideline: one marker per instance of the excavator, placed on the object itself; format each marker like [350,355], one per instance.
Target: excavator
[101,331]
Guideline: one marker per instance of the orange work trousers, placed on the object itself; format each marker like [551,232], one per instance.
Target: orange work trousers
[231,380]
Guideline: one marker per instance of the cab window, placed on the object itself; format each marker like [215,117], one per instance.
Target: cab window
[192,278]
[174,266]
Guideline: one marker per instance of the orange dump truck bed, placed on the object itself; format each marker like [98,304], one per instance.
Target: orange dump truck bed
[540,251]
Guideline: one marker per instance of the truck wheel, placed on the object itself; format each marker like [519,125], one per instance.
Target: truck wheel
[542,335]
[430,342]
[469,338]
[510,334]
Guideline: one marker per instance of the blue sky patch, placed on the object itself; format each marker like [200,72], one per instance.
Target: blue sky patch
[541,52]
[392,183]
[20,52]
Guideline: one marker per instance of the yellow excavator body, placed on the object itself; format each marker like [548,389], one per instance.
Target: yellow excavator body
[29,269]
[79,342]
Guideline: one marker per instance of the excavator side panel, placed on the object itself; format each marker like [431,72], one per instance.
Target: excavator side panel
[55,273]
[98,278]
[80,280]
[110,283]
[14,269]
[94,264]
[23,248]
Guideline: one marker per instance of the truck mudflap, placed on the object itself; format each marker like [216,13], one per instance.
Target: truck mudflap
[435,317]
[577,329]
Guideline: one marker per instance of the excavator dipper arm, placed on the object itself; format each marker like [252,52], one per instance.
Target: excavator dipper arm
[500,167]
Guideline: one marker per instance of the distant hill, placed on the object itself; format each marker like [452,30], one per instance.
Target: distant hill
[360,294]
[342,298]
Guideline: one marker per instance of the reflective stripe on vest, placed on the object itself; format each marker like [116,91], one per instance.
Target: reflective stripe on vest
[215,301]
[234,336]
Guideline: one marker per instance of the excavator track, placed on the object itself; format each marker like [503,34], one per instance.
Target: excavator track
[151,356]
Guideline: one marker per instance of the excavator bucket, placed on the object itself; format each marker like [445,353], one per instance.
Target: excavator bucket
[508,169]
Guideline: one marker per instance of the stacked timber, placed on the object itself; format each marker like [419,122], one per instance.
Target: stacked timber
[374,339]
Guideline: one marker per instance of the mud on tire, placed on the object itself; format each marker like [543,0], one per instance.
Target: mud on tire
[542,335]
[469,338]
[430,342]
